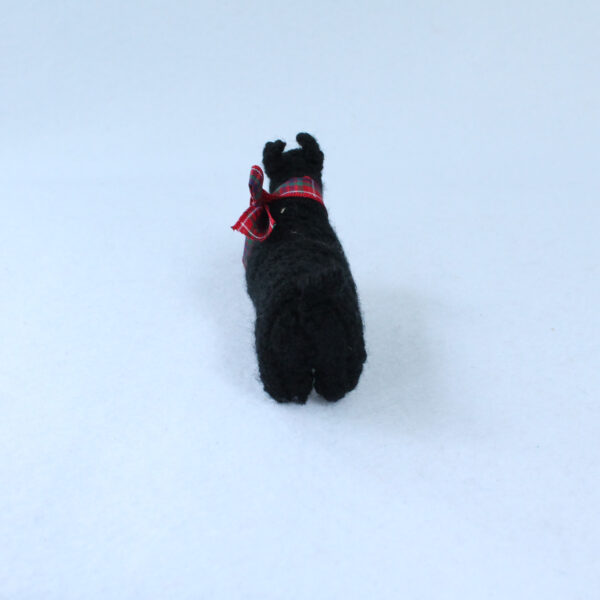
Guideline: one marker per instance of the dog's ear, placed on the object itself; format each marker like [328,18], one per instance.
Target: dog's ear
[272,156]
[310,149]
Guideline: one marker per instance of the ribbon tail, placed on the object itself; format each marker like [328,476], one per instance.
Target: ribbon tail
[249,223]
[239,224]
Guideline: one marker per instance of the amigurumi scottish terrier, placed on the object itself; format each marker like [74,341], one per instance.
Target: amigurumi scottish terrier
[309,329]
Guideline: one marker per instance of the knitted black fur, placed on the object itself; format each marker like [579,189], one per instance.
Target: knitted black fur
[309,329]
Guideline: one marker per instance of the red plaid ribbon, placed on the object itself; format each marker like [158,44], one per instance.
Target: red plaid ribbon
[256,222]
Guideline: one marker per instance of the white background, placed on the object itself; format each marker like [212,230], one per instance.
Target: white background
[139,456]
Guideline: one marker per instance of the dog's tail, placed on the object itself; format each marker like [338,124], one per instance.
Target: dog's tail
[319,287]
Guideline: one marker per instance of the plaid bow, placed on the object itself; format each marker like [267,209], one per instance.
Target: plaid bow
[256,222]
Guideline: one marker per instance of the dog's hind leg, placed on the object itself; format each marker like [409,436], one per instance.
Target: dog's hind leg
[330,358]
[338,351]
[283,356]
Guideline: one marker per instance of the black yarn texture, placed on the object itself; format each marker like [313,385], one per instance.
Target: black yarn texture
[309,329]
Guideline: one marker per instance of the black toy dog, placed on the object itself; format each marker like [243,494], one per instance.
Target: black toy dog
[309,329]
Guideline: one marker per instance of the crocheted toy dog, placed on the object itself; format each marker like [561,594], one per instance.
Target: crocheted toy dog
[309,329]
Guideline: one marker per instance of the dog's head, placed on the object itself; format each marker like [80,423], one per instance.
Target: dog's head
[281,166]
